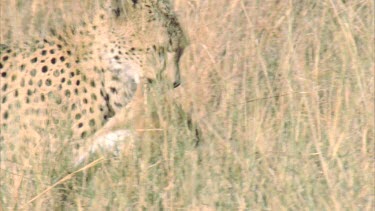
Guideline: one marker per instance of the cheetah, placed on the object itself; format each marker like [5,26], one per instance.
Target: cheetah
[87,78]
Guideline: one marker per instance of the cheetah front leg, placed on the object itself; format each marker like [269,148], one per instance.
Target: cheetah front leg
[112,137]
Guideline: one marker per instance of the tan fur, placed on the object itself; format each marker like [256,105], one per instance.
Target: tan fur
[81,84]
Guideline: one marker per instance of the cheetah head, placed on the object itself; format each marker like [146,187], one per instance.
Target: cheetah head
[150,26]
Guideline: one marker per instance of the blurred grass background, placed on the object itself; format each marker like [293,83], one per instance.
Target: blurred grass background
[283,92]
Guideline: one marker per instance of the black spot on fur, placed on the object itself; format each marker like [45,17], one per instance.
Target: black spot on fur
[93,97]
[113,90]
[44,69]
[5,87]
[92,123]
[29,92]
[34,60]
[48,82]
[6,115]
[33,72]
[83,134]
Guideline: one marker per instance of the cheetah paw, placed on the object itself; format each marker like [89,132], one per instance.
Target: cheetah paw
[110,143]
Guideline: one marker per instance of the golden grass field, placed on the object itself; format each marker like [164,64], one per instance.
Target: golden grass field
[282,90]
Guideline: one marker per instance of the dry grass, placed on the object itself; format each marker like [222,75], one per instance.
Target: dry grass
[283,92]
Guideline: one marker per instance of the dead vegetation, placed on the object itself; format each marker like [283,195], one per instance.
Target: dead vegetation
[282,90]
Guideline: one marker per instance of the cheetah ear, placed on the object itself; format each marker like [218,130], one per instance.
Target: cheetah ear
[115,7]
[123,8]
[116,12]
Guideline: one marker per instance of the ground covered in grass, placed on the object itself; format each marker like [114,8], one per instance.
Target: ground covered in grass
[282,92]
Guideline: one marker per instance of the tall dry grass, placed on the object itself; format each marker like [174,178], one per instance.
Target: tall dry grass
[283,92]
